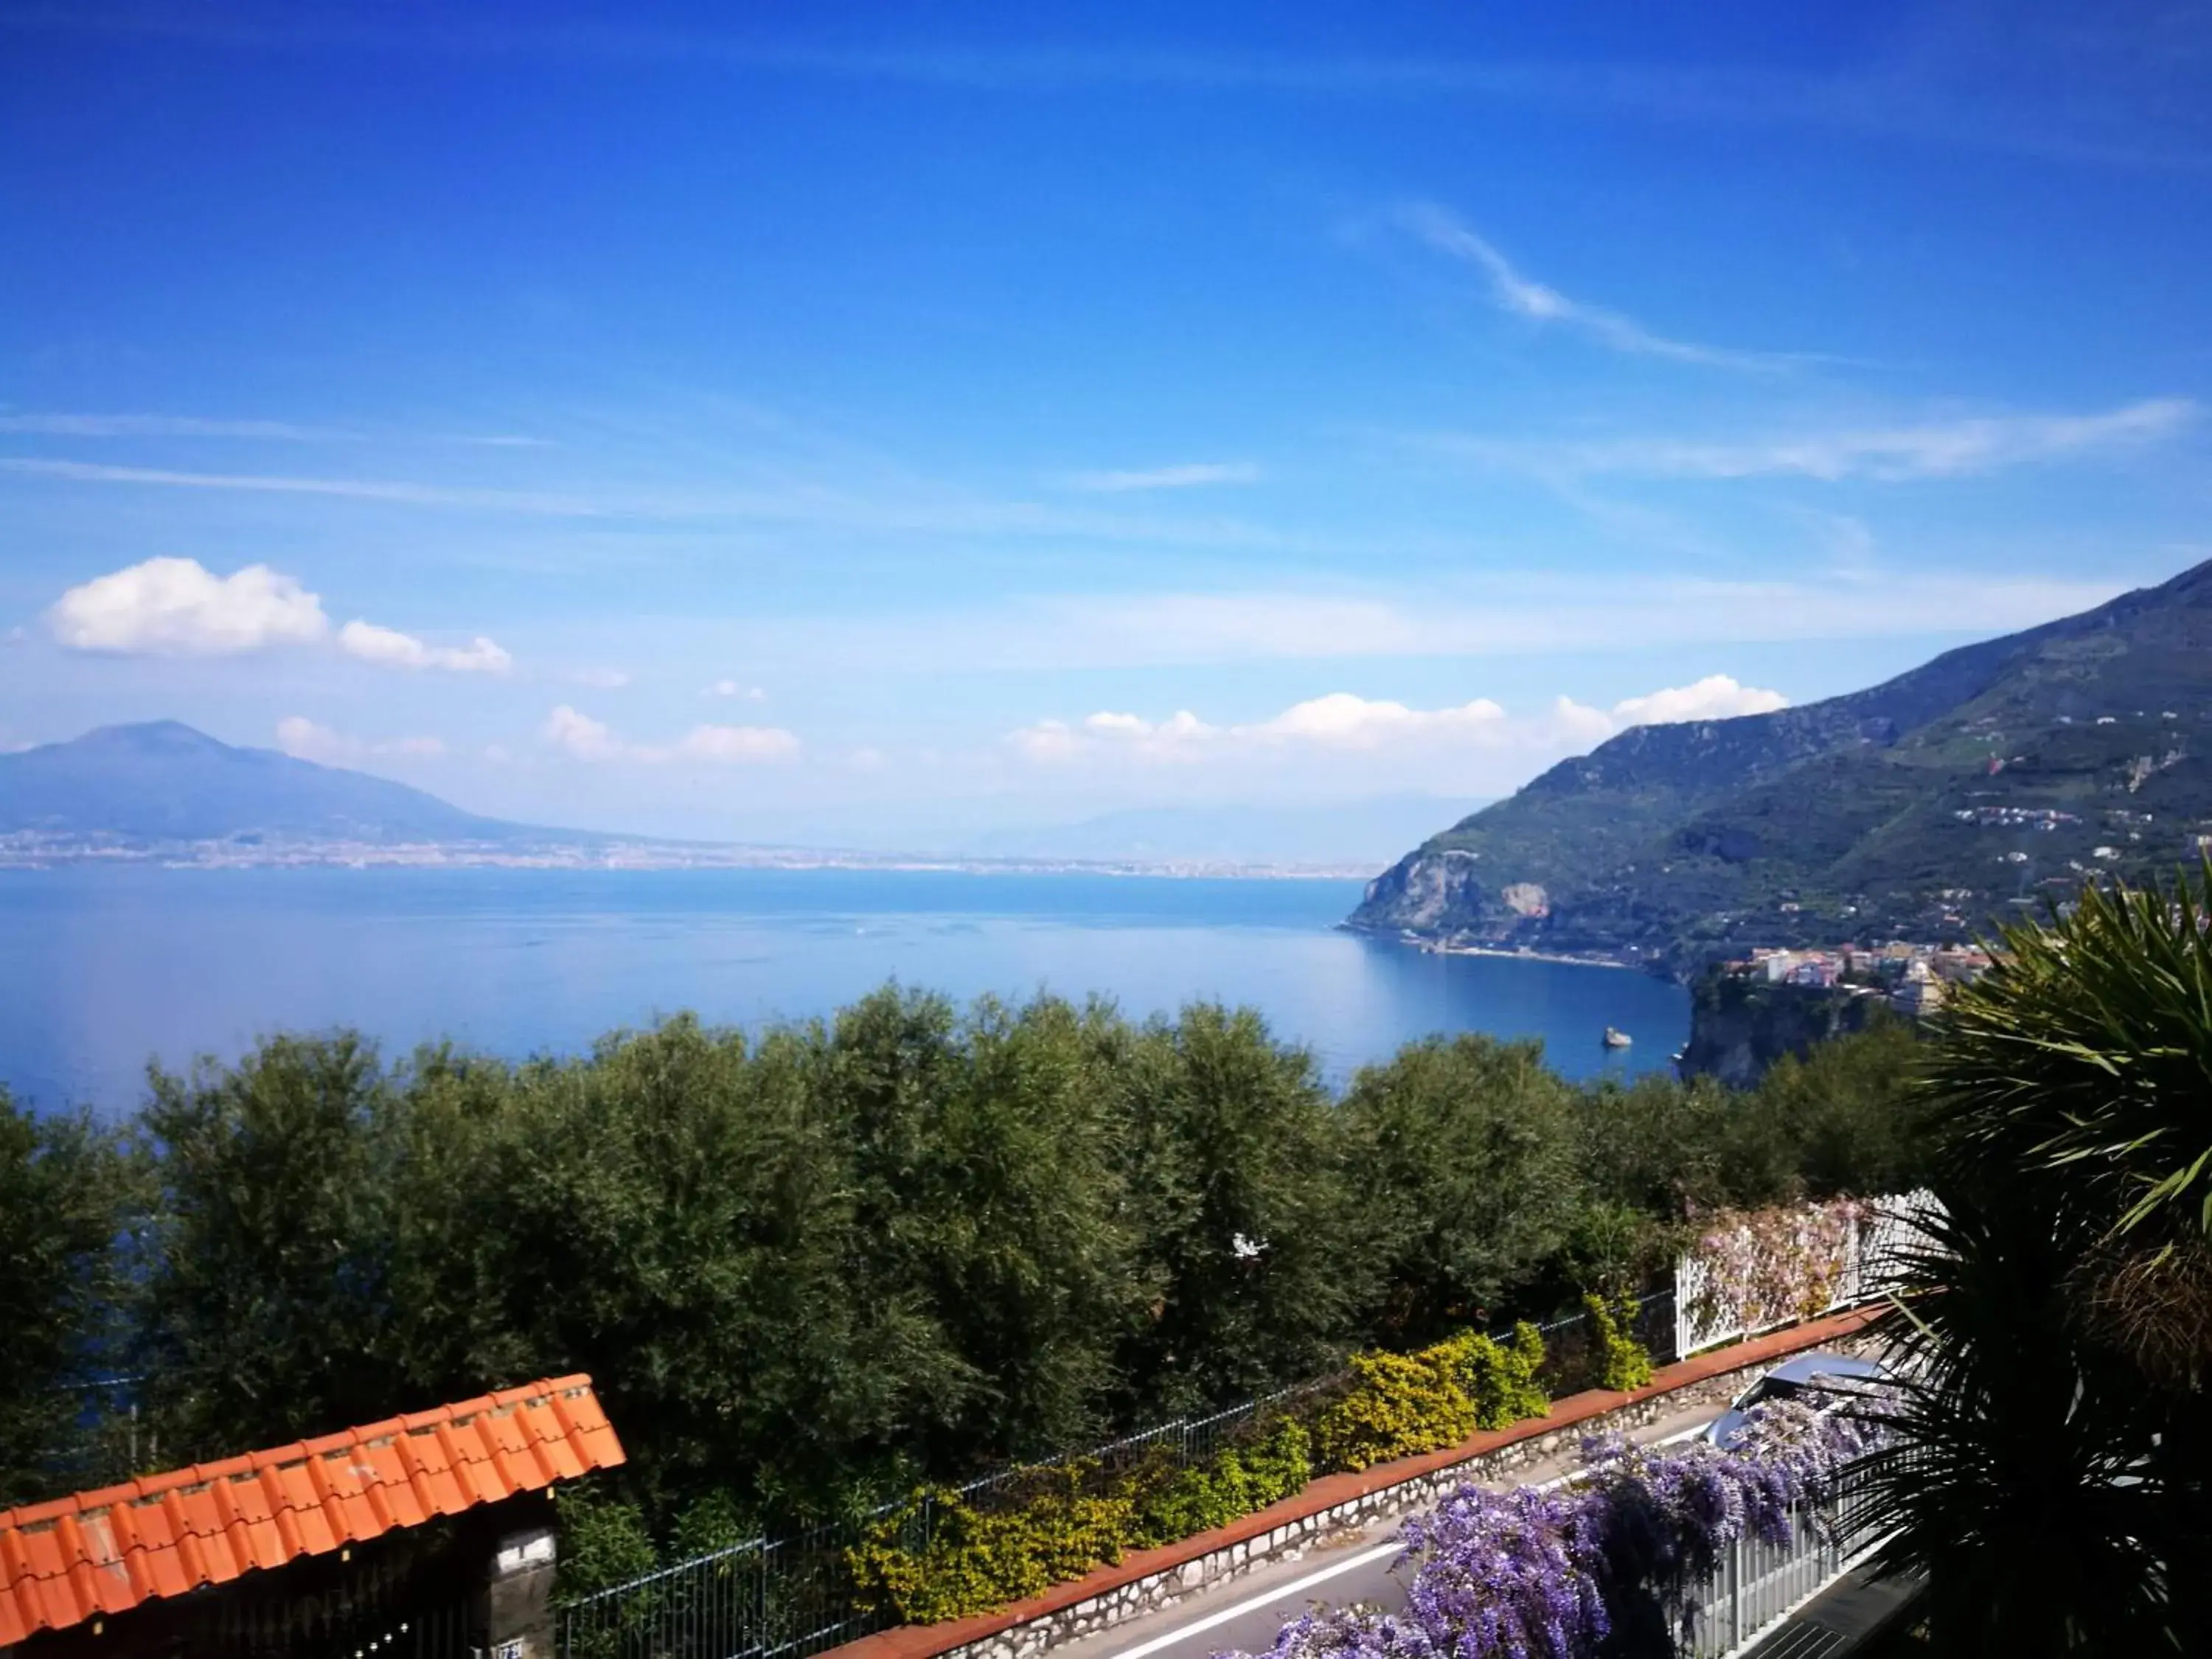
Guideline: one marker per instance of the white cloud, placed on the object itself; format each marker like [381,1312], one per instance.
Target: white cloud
[601,679]
[1189,476]
[1344,721]
[178,607]
[1356,729]
[1715,697]
[1893,454]
[390,649]
[1111,724]
[588,739]
[1522,296]
[1046,741]
[1580,726]
[580,735]
[1339,720]
[304,739]
[735,689]
[731,743]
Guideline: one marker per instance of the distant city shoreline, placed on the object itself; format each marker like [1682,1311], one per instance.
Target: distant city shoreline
[1565,958]
[22,852]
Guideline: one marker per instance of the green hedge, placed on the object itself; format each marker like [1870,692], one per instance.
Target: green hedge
[1402,1404]
[1234,1483]
[939,1557]
[974,1560]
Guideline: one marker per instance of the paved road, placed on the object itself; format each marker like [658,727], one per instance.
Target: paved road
[1244,1614]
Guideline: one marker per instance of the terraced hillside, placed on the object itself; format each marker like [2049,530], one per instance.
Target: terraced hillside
[1978,784]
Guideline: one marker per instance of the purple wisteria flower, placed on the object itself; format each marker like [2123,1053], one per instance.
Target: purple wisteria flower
[1536,1574]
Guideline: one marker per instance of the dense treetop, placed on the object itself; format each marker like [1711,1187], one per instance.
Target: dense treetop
[807,1267]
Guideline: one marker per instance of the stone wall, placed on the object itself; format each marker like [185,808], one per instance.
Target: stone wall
[1296,1537]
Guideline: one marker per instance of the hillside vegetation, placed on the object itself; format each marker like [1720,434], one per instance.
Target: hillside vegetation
[814,1267]
[1979,785]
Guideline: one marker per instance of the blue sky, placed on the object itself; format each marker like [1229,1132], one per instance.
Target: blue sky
[897,424]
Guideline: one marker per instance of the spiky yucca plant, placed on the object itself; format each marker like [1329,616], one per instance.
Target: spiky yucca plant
[2081,1065]
[2050,1471]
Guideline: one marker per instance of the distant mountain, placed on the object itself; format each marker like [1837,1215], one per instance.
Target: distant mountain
[1976,785]
[165,782]
[1349,833]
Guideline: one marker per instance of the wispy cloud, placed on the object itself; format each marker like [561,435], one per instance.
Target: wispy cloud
[581,738]
[1520,296]
[1892,454]
[165,426]
[1515,614]
[896,506]
[304,739]
[362,489]
[390,649]
[2024,89]
[1190,476]
[50,424]
[1339,719]
[1345,723]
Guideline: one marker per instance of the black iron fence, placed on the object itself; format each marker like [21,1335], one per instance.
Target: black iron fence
[399,1597]
[792,1596]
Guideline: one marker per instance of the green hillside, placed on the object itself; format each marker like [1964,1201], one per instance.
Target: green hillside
[1973,786]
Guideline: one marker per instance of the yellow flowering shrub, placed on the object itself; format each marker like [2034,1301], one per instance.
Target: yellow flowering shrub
[1622,1362]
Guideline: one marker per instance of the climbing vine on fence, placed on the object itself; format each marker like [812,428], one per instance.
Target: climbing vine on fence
[1753,1268]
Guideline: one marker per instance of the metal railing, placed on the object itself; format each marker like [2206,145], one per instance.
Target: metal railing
[1757,1583]
[792,1597]
[768,1596]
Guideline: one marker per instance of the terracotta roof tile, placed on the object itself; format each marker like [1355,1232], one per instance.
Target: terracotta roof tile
[63,1562]
[434,1472]
[395,1484]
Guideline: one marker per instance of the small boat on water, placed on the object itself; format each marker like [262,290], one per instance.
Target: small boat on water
[1617,1039]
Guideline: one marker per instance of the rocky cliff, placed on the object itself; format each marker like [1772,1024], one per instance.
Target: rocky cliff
[1739,1026]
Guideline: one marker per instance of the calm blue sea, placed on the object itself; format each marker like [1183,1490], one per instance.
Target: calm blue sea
[103,970]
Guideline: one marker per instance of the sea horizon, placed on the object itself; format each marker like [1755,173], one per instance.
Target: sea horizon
[120,967]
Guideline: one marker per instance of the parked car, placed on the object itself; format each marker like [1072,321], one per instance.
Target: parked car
[1823,1381]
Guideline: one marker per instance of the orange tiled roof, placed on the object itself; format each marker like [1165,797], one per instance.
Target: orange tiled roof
[106,1551]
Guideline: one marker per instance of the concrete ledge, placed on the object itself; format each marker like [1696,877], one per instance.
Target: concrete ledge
[1146,1580]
